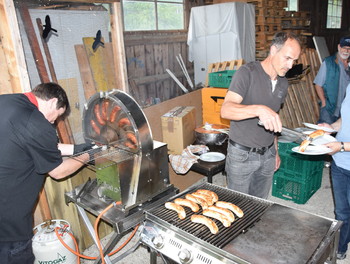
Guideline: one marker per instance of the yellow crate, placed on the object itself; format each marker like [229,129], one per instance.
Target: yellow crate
[212,99]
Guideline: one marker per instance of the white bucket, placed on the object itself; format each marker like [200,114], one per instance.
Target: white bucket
[48,249]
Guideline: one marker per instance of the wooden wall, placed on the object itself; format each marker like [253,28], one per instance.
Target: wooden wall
[148,55]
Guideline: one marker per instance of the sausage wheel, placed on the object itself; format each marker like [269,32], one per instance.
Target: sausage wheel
[104,111]
[114,113]
[98,115]
[95,127]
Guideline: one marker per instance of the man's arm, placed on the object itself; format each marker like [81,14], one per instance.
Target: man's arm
[69,166]
[320,94]
[232,109]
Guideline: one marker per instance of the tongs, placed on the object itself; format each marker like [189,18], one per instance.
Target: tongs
[291,133]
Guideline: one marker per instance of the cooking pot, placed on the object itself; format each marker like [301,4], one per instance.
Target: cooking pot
[211,134]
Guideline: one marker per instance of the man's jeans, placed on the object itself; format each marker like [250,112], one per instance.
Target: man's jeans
[341,190]
[250,172]
[19,252]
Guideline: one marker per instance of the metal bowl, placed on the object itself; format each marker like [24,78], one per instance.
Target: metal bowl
[211,137]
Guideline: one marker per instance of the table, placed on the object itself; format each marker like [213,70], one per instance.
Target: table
[209,169]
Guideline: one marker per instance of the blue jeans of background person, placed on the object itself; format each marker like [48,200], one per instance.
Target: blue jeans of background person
[250,172]
[18,252]
[326,117]
[341,190]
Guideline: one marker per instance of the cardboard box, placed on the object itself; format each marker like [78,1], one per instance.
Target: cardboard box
[178,128]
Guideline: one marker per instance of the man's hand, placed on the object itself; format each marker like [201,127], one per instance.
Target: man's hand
[269,119]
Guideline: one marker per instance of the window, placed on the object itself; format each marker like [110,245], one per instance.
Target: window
[334,13]
[292,5]
[153,15]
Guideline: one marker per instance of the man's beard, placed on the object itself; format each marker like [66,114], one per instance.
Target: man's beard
[343,55]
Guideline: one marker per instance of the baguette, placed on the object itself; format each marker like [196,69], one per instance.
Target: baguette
[188,203]
[200,219]
[219,216]
[198,200]
[205,197]
[316,134]
[306,142]
[234,208]
[226,212]
[177,208]
[304,145]
[213,195]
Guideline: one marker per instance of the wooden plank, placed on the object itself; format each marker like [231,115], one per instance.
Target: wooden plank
[34,43]
[71,88]
[109,60]
[5,77]
[13,60]
[118,47]
[150,88]
[152,39]
[140,70]
[97,64]
[159,69]
[166,64]
[297,103]
[290,112]
[85,71]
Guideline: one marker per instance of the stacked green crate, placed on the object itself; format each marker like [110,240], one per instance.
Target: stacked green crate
[221,78]
[299,176]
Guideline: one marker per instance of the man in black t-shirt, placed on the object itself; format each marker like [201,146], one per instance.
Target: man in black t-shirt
[28,151]
[255,94]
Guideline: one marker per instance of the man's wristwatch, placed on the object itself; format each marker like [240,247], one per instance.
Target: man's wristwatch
[342,149]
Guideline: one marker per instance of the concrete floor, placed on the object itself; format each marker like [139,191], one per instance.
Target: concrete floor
[321,203]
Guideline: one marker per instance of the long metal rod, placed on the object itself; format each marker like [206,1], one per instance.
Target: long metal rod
[177,81]
[185,71]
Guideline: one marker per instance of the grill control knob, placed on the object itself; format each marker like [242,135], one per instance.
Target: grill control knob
[158,241]
[185,256]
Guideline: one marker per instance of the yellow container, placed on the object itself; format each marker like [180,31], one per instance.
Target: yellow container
[212,99]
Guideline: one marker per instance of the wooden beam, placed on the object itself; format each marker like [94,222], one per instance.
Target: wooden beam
[159,77]
[13,53]
[118,48]
[132,40]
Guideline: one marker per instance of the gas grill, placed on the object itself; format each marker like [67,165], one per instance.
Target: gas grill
[267,233]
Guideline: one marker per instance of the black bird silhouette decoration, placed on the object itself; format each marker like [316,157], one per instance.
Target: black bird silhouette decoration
[47,27]
[97,41]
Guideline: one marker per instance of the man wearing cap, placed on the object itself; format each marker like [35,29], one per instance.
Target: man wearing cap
[331,82]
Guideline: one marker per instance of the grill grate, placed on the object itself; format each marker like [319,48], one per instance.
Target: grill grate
[252,207]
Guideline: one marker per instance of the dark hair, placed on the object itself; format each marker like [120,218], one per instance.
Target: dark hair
[47,91]
[281,37]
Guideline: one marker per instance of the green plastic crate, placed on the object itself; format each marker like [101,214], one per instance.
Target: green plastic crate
[302,166]
[288,187]
[221,78]
[299,176]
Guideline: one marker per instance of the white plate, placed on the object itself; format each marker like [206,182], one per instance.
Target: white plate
[321,140]
[313,126]
[212,157]
[313,150]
